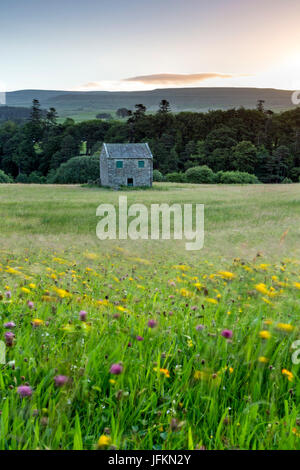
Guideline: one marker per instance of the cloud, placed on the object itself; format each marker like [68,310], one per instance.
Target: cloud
[176,78]
[91,85]
[109,85]
[147,82]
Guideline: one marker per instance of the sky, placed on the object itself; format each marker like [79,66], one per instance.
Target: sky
[145,44]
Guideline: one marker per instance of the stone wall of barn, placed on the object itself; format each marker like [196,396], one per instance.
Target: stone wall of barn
[115,177]
[103,169]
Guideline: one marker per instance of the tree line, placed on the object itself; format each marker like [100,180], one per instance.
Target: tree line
[256,141]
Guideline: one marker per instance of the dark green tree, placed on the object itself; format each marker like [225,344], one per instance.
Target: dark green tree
[244,157]
[164,107]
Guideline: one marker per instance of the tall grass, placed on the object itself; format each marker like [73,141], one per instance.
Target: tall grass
[184,384]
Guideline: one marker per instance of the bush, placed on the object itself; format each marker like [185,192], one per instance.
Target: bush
[77,170]
[157,176]
[286,181]
[200,175]
[294,174]
[22,178]
[36,178]
[175,177]
[236,177]
[4,178]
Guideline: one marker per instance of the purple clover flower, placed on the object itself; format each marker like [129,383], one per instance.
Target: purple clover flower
[24,391]
[227,334]
[116,369]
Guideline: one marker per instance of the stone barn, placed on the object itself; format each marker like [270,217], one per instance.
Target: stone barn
[126,165]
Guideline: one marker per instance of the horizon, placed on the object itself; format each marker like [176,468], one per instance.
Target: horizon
[150,89]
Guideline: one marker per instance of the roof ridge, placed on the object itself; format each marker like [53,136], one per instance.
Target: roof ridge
[127,150]
[126,143]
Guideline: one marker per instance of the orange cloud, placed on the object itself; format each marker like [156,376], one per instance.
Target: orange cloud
[176,78]
[91,85]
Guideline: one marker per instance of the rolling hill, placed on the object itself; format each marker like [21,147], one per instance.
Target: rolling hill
[88,104]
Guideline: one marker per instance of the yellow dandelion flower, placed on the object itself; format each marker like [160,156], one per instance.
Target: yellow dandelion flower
[104,441]
[91,256]
[165,372]
[263,266]
[211,301]
[59,261]
[200,375]
[227,275]
[297,285]
[62,293]
[262,288]
[12,271]
[121,309]
[32,286]
[37,322]
[247,268]
[294,431]
[181,267]
[288,374]
[267,301]
[263,359]
[264,334]
[25,290]
[185,293]
[286,327]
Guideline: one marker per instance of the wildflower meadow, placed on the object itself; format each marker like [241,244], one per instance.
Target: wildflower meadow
[145,346]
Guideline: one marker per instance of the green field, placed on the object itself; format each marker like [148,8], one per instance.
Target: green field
[202,341]
[239,220]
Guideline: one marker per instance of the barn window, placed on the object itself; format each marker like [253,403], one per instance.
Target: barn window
[119,164]
[141,164]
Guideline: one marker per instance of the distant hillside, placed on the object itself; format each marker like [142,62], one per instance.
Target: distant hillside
[14,113]
[70,103]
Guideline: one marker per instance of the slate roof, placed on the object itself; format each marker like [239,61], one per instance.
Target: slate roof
[121,151]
